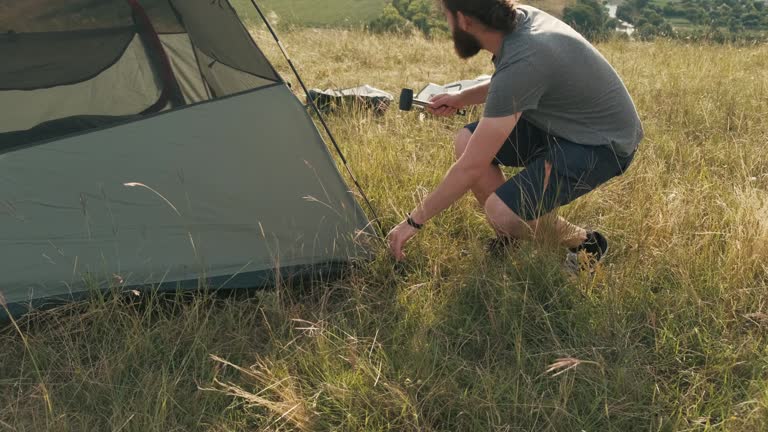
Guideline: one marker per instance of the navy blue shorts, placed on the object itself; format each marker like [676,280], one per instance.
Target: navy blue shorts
[576,170]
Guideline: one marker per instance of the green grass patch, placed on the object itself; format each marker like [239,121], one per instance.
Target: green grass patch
[314,13]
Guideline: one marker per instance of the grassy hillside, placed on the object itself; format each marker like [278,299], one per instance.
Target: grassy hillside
[320,13]
[555,7]
[346,13]
[670,335]
[310,13]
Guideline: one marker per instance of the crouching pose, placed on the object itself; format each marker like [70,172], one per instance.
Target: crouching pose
[554,107]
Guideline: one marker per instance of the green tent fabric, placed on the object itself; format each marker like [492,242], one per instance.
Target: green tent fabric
[231,189]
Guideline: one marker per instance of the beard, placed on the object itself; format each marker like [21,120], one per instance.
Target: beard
[466,45]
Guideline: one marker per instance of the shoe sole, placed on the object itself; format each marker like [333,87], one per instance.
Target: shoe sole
[573,264]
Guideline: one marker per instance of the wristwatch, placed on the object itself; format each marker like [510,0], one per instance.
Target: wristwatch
[413,223]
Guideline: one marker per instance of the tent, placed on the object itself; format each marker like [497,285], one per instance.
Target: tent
[150,143]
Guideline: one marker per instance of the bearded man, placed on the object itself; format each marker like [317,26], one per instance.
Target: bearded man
[554,107]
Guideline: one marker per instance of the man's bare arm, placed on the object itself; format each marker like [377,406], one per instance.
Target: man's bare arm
[485,143]
[448,103]
[475,95]
[482,148]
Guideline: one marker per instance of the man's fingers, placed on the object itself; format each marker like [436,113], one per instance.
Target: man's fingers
[439,101]
[433,108]
[398,244]
[396,249]
[446,111]
[395,246]
[450,111]
[392,245]
[399,255]
[398,252]
[436,99]
[441,105]
[438,111]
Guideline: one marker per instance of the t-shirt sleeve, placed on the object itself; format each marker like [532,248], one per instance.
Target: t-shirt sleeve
[515,87]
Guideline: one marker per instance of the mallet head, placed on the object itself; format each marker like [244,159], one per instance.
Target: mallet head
[407,102]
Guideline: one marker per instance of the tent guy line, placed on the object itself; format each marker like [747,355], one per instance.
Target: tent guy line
[321,117]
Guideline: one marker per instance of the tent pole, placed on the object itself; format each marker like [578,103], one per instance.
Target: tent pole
[311,102]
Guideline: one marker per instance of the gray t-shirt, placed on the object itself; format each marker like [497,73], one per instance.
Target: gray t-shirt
[562,84]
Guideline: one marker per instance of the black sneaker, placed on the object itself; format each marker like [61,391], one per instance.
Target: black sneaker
[500,245]
[586,256]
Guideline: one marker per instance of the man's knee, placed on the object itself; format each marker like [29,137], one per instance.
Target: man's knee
[461,141]
[503,218]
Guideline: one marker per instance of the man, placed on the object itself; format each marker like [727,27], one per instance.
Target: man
[554,106]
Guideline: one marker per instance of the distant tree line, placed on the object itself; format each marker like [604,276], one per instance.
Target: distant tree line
[591,19]
[732,14]
[710,20]
[407,16]
[715,19]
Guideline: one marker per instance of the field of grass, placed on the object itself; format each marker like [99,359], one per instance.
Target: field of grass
[317,13]
[670,335]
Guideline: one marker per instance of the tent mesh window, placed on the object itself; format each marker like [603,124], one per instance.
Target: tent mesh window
[73,65]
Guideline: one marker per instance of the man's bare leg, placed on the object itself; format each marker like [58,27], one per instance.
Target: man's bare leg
[491,179]
[550,227]
[556,230]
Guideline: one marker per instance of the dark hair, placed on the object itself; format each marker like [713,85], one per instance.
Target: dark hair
[495,14]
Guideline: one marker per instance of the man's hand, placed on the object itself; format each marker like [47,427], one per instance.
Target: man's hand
[398,237]
[446,104]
